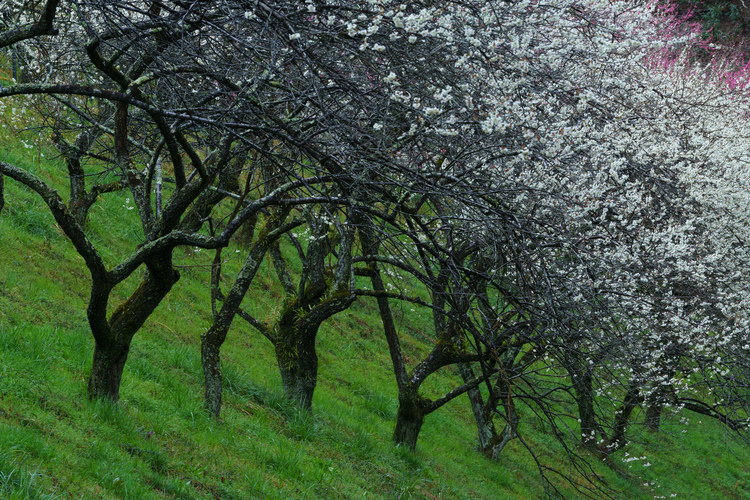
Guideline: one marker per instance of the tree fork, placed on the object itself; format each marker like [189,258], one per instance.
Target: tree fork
[113,344]
[214,337]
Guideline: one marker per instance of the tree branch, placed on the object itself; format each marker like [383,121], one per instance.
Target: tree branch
[40,28]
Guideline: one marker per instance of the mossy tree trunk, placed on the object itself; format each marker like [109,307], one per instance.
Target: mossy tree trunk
[113,337]
[657,399]
[486,432]
[490,442]
[580,372]
[106,371]
[211,341]
[322,291]
[295,341]
[81,197]
[653,415]
[297,359]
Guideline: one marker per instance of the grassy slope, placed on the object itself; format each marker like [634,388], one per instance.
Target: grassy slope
[157,443]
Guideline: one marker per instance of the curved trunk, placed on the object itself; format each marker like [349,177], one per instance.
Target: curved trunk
[582,378]
[299,381]
[486,431]
[584,396]
[505,397]
[214,337]
[295,345]
[655,404]
[622,416]
[490,442]
[322,292]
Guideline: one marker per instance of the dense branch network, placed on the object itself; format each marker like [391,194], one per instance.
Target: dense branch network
[558,185]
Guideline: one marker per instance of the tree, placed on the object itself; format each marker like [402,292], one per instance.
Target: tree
[129,53]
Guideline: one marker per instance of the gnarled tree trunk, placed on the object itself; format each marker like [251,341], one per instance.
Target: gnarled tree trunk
[622,416]
[214,337]
[112,339]
[486,431]
[295,345]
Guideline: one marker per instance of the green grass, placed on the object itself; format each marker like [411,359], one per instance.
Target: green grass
[157,443]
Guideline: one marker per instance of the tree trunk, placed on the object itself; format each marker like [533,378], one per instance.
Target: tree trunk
[582,379]
[298,365]
[486,431]
[298,384]
[214,337]
[653,416]
[585,401]
[113,338]
[211,361]
[14,64]
[106,372]
[409,420]
[300,319]
[504,395]
[655,404]
[622,416]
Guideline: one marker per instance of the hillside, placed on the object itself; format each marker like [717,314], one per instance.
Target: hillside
[157,443]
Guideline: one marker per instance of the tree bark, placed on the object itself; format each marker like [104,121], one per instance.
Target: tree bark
[214,337]
[211,362]
[653,416]
[584,396]
[299,372]
[106,371]
[296,353]
[622,416]
[40,28]
[322,293]
[655,404]
[581,377]
[409,420]
[486,431]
